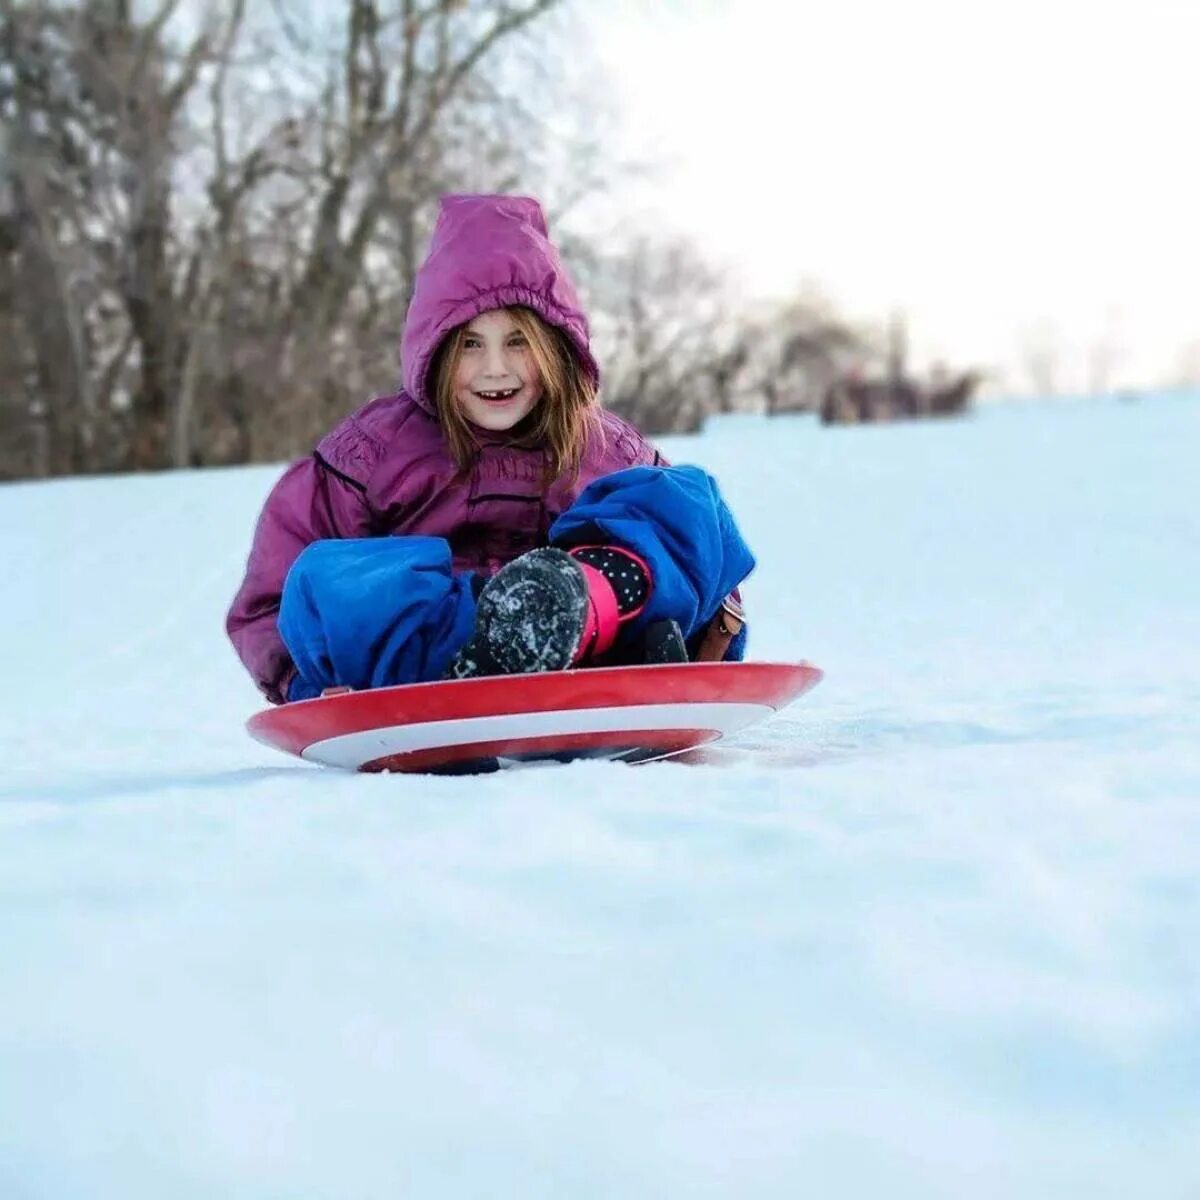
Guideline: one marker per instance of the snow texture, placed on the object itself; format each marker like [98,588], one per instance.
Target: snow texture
[933,932]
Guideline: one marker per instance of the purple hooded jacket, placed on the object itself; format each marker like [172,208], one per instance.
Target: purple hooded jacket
[388,470]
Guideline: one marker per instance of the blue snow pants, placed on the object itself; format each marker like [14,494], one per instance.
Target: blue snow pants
[373,612]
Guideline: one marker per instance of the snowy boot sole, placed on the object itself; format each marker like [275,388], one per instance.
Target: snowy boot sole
[530,617]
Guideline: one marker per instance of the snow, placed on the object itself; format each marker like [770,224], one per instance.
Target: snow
[933,932]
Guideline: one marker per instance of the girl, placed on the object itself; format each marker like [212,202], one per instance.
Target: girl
[538,530]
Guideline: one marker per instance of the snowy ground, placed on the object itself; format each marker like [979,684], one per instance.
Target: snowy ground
[933,933]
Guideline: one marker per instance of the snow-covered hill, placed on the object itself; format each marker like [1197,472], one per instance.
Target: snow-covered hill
[935,932]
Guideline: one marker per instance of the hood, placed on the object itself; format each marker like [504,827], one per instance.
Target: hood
[487,252]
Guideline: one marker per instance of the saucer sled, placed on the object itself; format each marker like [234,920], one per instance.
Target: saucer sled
[633,714]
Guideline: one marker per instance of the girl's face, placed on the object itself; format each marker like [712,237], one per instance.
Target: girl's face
[496,383]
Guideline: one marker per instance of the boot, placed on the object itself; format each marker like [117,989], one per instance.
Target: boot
[551,609]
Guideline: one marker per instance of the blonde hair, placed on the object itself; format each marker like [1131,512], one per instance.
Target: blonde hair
[561,421]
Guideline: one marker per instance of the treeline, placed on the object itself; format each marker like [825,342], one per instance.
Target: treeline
[210,217]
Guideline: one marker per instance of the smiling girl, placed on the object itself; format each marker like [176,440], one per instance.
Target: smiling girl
[493,374]
[491,517]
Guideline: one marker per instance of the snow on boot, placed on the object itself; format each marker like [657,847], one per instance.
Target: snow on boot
[530,616]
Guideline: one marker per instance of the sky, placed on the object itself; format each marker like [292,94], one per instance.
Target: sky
[1017,178]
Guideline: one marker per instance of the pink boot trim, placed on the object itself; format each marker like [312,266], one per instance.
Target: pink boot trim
[603,617]
[629,554]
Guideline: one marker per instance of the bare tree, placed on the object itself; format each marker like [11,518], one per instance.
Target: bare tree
[211,217]
[805,345]
[1105,355]
[677,347]
[95,99]
[1187,367]
[659,314]
[354,183]
[1041,354]
[202,265]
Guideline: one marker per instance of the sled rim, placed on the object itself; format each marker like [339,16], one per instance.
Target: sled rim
[413,727]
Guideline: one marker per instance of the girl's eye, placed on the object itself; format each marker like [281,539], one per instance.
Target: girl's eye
[519,341]
[471,343]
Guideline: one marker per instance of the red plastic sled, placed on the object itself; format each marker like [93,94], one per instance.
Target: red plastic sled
[634,714]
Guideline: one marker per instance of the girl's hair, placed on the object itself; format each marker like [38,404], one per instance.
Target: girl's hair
[563,417]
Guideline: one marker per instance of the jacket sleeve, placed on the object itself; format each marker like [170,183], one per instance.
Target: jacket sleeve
[373,612]
[676,519]
[310,502]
